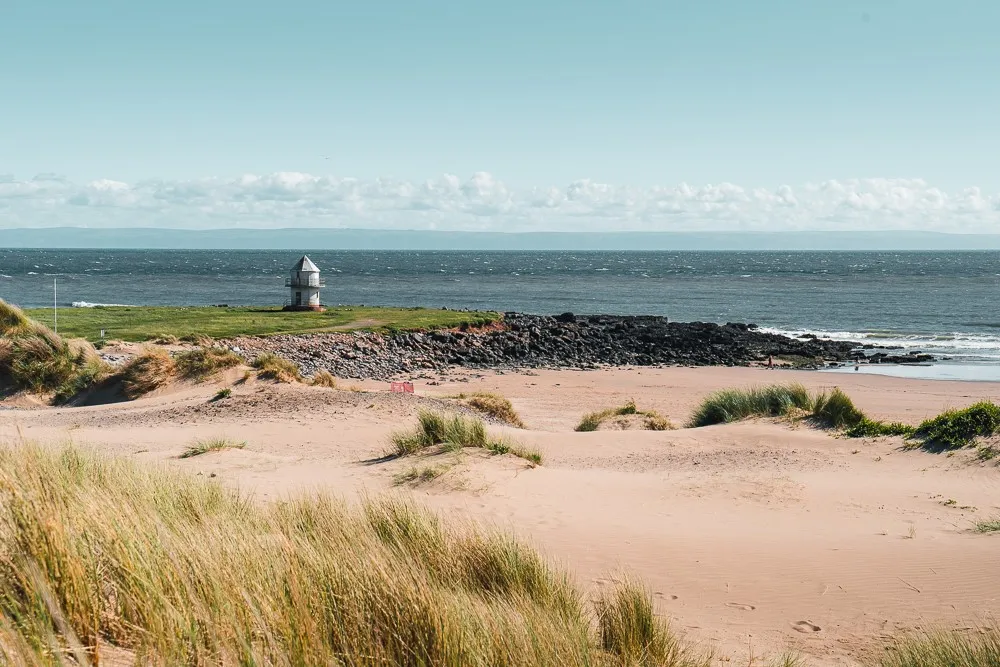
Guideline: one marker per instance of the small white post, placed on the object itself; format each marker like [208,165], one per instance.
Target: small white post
[55,306]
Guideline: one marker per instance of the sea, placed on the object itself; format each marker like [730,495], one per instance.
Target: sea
[943,303]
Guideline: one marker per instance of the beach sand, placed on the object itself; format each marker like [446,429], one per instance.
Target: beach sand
[755,537]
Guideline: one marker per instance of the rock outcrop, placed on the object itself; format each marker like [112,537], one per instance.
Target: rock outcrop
[535,341]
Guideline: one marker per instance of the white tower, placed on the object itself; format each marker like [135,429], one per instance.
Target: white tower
[304,284]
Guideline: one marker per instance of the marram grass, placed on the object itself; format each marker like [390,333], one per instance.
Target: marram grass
[324,378]
[455,432]
[211,445]
[730,405]
[272,367]
[146,372]
[651,420]
[36,359]
[102,553]
[493,405]
[979,648]
[204,362]
[833,409]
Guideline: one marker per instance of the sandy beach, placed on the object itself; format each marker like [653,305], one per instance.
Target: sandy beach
[755,537]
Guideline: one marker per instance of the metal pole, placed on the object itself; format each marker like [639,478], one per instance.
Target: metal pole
[55,306]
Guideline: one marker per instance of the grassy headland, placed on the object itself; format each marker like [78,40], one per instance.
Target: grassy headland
[142,323]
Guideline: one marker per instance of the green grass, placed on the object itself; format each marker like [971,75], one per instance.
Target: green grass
[833,409]
[872,428]
[225,392]
[950,430]
[454,432]
[501,447]
[942,649]
[652,420]
[955,429]
[211,445]
[169,323]
[731,405]
[987,452]
[836,410]
[988,525]
[177,570]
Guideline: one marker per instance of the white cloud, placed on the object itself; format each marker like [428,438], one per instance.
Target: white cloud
[484,202]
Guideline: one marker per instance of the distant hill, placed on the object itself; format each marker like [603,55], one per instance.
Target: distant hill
[359,239]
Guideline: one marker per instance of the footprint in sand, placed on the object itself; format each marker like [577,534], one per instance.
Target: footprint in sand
[740,606]
[806,626]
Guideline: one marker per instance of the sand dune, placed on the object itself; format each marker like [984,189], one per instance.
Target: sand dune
[755,537]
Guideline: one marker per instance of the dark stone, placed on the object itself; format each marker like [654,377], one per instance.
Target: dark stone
[563,341]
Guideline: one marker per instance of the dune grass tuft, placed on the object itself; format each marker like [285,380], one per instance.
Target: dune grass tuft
[148,371]
[34,358]
[324,378]
[652,420]
[987,452]
[955,429]
[833,409]
[942,649]
[836,410]
[988,525]
[211,445]
[177,570]
[454,432]
[272,367]
[434,428]
[493,405]
[225,392]
[415,475]
[950,430]
[502,446]
[13,320]
[629,629]
[205,362]
[871,428]
[731,405]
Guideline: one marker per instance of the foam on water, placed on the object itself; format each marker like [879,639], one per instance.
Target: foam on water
[957,345]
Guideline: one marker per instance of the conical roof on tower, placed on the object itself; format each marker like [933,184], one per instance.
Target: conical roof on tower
[305,264]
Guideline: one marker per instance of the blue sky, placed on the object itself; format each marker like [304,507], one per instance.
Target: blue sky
[538,94]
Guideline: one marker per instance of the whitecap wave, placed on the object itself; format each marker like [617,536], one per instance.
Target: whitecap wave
[87,304]
[961,346]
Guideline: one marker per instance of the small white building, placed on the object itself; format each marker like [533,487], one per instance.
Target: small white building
[304,284]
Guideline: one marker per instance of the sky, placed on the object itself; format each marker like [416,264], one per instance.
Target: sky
[518,115]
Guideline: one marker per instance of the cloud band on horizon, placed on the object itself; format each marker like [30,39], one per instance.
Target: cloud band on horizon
[484,203]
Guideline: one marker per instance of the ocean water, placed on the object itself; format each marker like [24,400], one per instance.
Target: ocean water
[945,303]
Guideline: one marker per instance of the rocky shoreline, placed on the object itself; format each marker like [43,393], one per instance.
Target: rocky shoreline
[562,341]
